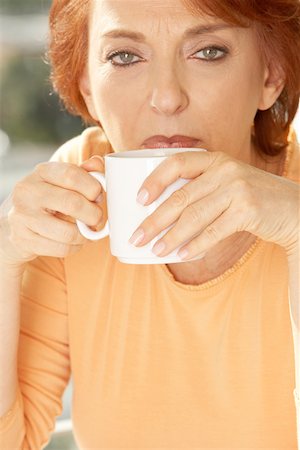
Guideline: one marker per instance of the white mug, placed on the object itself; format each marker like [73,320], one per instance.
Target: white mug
[125,173]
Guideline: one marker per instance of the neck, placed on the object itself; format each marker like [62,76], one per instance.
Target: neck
[216,261]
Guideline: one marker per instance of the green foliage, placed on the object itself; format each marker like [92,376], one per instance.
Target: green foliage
[30,111]
[24,6]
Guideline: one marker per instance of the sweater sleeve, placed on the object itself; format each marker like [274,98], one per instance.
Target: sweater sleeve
[293,173]
[297,402]
[43,353]
[43,357]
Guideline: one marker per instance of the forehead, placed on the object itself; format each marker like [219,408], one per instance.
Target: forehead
[141,13]
[140,6]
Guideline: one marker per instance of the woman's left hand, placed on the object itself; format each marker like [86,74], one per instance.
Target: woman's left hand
[224,196]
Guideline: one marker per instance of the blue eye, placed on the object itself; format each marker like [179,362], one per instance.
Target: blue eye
[126,58]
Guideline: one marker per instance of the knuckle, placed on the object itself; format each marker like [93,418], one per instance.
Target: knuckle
[13,235]
[16,237]
[11,216]
[41,168]
[96,216]
[95,189]
[253,208]
[14,224]
[71,174]
[178,159]
[240,219]
[192,214]
[69,234]
[230,166]
[180,198]
[72,202]
[244,189]
[18,194]
[241,185]
[23,194]
[212,233]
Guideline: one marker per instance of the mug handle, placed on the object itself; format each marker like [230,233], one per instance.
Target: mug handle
[83,228]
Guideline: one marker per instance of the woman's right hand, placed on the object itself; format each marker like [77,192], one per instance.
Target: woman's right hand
[37,219]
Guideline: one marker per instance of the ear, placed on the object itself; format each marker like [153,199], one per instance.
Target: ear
[85,90]
[274,82]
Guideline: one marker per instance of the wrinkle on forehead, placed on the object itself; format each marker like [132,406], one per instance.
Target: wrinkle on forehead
[155,14]
[143,4]
[142,8]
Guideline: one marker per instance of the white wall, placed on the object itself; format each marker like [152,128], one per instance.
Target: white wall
[297,124]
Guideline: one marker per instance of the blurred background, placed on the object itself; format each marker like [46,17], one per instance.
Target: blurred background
[33,123]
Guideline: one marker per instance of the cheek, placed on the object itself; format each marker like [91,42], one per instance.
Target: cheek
[230,101]
[117,107]
[227,106]
[115,99]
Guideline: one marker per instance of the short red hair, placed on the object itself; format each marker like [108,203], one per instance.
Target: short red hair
[276,21]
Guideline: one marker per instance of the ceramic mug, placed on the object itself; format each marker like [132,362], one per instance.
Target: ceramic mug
[125,172]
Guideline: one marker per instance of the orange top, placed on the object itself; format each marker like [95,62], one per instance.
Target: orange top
[155,363]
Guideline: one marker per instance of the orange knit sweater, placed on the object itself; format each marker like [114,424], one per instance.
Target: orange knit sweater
[155,363]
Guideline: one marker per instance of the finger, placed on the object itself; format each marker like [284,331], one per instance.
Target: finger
[96,163]
[69,203]
[196,218]
[50,227]
[71,177]
[180,165]
[215,232]
[172,208]
[38,245]
[60,216]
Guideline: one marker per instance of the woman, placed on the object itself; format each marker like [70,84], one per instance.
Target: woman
[197,354]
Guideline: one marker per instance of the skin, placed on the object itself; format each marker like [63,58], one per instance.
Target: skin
[171,90]
[174,89]
[163,89]
[38,217]
[234,195]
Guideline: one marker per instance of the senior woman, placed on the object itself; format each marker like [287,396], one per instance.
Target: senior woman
[197,354]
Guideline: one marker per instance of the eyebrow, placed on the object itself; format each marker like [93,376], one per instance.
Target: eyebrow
[189,33]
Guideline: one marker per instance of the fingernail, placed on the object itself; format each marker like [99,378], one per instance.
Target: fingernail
[183,254]
[158,248]
[143,196]
[137,237]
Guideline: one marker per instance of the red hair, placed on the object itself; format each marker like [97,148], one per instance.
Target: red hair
[277,23]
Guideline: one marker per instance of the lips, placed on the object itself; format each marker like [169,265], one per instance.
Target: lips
[177,141]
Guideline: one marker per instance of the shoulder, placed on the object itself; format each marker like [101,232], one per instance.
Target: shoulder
[92,141]
[292,165]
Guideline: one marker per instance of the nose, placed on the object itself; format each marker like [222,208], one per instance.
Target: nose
[168,95]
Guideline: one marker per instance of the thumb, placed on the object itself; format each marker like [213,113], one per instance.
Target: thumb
[95,163]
